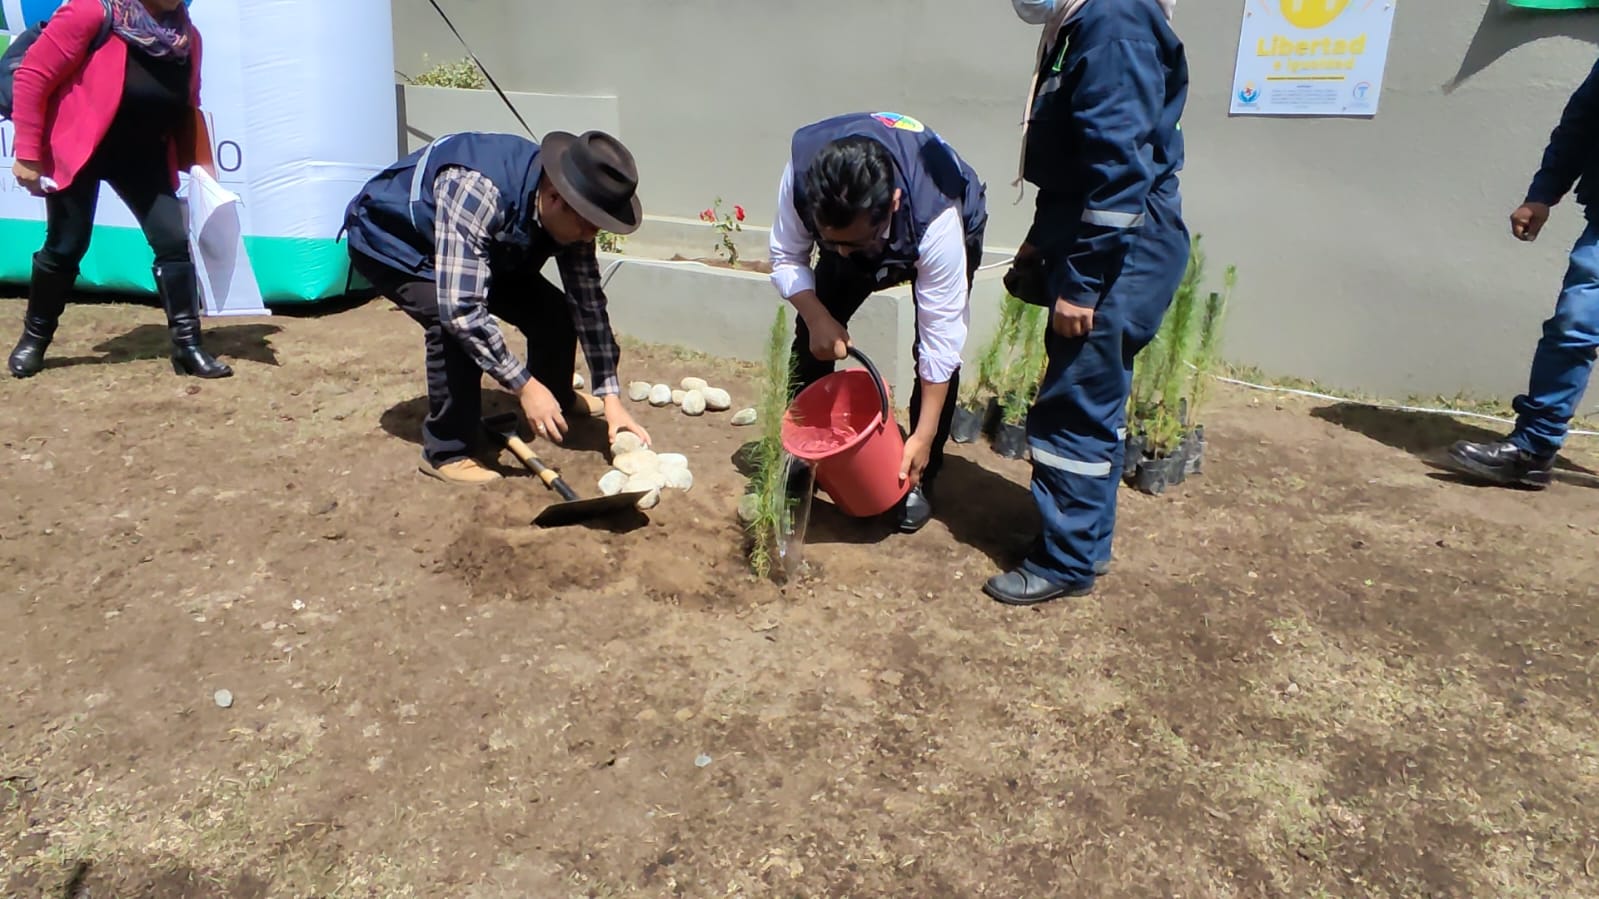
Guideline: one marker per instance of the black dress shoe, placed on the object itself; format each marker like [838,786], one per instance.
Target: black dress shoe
[1502,462]
[916,510]
[1023,588]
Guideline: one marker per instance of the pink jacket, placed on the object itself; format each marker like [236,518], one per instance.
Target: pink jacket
[64,104]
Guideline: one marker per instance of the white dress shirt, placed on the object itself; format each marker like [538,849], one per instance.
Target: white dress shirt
[943,312]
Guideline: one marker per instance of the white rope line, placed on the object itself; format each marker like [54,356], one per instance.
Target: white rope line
[1400,407]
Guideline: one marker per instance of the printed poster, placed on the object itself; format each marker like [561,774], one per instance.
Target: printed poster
[1312,57]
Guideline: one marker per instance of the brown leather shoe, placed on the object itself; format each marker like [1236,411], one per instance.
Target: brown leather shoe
[463,472]
[586,406]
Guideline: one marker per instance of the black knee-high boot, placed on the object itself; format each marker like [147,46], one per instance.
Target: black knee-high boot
[47,297]
[180,293]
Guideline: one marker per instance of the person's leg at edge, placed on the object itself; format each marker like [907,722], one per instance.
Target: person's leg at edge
[541,312]
[1561,367]
[454,381]
[917,509]
[147,190]
[69,224]
[1151,273]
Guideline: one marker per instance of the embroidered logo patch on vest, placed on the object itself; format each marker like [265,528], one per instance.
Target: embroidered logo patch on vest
[895,120]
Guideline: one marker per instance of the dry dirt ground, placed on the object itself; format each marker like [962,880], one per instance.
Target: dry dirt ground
[1322,669]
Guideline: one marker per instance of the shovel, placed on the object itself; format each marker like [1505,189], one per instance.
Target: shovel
[571,509]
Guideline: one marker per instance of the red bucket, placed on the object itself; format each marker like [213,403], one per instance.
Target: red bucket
[844,426]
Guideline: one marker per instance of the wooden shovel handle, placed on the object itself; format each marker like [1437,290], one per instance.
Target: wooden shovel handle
[549,476]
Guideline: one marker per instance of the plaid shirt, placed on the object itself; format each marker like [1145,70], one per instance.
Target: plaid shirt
[468,216]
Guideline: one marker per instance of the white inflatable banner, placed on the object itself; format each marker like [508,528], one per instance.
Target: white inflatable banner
[299,95]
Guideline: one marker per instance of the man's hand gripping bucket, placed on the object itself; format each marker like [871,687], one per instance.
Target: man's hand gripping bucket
[844,426]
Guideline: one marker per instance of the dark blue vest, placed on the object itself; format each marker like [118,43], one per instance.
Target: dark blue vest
[931,177]
[392,219]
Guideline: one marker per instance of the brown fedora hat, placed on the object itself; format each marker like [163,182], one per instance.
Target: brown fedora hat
[596,176]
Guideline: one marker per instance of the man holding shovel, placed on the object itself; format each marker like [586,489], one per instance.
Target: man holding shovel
[456,234]
[887,202]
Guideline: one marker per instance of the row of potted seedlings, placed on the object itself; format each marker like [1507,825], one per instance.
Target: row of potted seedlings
[1164,445]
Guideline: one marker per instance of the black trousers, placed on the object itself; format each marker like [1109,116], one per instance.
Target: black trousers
[143,181]
[842,288]
[526,300]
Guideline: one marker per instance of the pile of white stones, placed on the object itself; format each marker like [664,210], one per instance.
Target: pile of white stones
[635,467]
[694,396]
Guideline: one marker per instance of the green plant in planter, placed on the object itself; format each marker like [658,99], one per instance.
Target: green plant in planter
[606,242]
[462,73]
[1170,375]
[770,470]
[1206,360]
[1027,371]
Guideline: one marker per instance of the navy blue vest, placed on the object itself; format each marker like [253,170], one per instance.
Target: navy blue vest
[930,175]
[391,220]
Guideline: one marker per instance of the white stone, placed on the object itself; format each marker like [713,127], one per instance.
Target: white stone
[638,391]
[660,395]
[678,479]
[669,461]
[744,417]
[612,483]
[677,397]
[650,480]
[636,462]
[577,381]
[649,500]
[694,403]
[223,699]
[694,384]
[626,442]
[717,399]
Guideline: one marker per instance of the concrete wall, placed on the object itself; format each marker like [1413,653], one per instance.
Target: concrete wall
[1373,254]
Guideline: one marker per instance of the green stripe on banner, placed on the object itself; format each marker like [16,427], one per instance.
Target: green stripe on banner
[287,269]
[1555,4]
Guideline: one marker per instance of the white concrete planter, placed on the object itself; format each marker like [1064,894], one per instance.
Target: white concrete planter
[430,112]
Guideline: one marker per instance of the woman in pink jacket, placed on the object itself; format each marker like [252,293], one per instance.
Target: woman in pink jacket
[124,113]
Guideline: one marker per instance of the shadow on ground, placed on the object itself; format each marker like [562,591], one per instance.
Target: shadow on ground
[404,420]
[248,343]
[1428,436]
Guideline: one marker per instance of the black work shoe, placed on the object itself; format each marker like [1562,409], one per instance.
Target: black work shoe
[1502,462]
[916,510]
[1023,588]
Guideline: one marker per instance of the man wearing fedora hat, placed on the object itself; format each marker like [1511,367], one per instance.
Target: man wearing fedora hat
[456,234]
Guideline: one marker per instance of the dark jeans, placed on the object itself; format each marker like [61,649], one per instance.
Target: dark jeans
[143,181]
[455,400]
[842,288]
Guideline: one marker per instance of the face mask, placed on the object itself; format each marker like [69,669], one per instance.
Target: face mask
[1035,12]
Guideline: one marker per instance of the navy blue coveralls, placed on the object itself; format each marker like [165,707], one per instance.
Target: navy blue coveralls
[1104,149]
[931,177]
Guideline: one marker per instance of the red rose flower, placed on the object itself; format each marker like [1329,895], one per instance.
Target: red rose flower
[738,212]
[707,216]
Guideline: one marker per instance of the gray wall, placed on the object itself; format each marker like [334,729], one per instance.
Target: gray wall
[1373,254]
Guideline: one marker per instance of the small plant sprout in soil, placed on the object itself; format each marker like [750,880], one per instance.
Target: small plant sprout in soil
[725,223]
[1165,443]
[768,510]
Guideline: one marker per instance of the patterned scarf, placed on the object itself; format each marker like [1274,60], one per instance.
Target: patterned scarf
[166,37]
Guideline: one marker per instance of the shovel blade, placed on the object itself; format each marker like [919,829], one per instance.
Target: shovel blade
[582,510]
